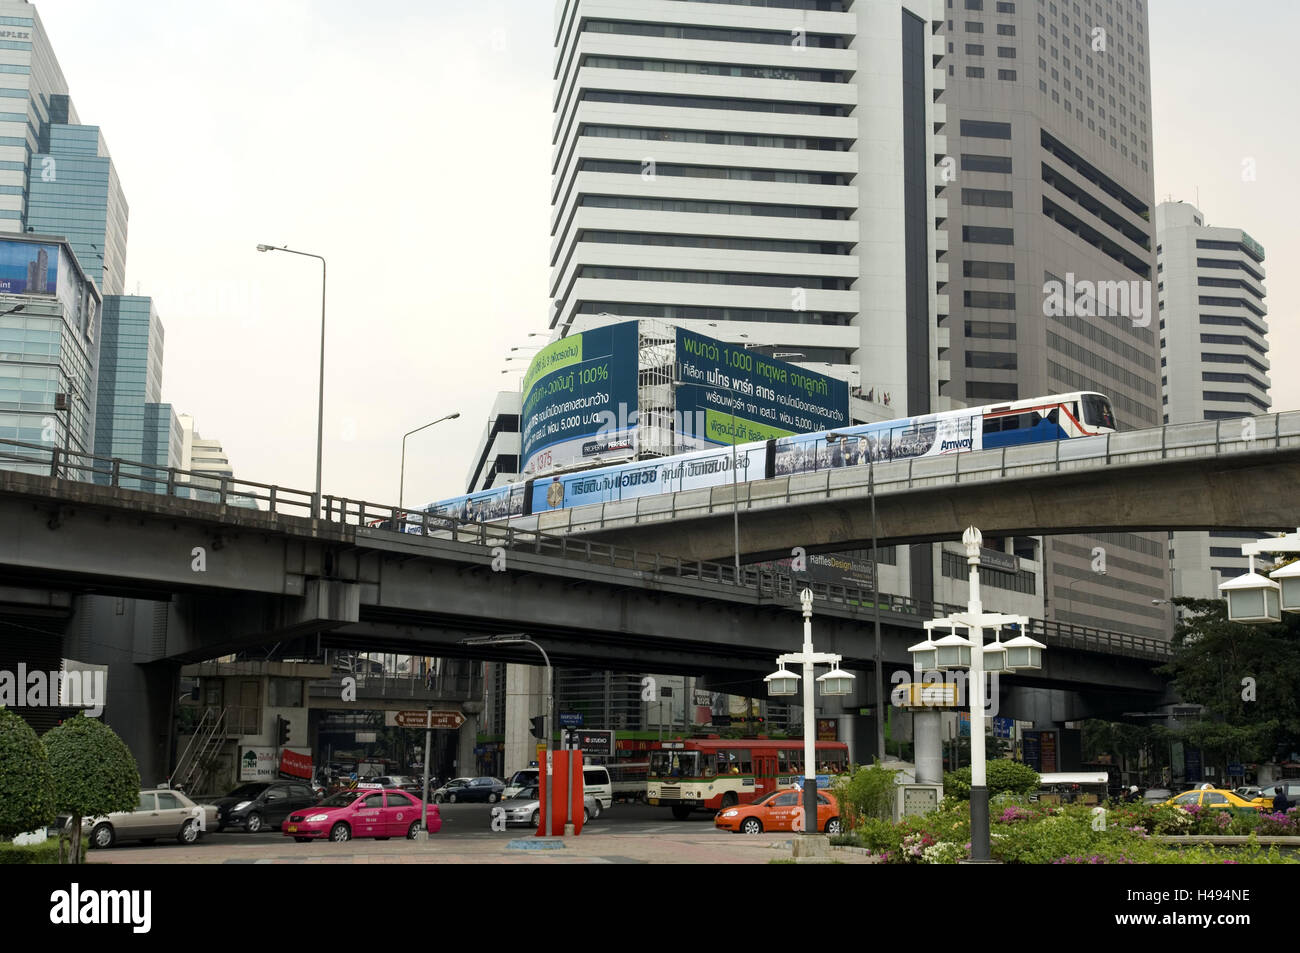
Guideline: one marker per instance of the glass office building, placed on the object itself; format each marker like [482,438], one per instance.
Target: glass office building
[131,422]
[73,190]
[49,344]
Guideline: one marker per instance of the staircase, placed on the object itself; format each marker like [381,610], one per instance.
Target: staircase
[203,747]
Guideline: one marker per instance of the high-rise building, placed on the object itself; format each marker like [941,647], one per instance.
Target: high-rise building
[131,421]
[1051,248]
[1214,358]
[49,346]
[207,457]
[73,190]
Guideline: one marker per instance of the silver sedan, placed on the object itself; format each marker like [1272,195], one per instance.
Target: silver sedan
[526,807]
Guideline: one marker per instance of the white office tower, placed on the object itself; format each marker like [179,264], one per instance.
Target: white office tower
[496,459]
[207,457]
[761,173]
[1214,361]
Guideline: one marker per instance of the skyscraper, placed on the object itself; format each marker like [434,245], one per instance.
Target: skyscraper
[1214,358]
[131,422]
[73,190]
[1051,248]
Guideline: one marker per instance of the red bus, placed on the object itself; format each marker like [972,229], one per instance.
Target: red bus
[712,774]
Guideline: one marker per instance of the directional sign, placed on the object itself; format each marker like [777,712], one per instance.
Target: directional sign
[570,719]
[417,719]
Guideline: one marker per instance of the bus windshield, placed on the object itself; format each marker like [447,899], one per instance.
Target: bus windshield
[674,764]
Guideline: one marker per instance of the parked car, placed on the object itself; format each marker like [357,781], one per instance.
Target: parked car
[526,807]
[348,814]
[454,786]
[405,782]
[158,813]
[262,804]
[777,812]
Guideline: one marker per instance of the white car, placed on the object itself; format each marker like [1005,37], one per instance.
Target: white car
[159,813]
[526,807]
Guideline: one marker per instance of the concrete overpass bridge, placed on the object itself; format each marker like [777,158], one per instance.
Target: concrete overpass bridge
[217,578]
[1216,475]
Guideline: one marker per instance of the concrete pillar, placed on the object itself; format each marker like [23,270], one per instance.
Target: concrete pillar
[525,698]
[466,762]
[928,742]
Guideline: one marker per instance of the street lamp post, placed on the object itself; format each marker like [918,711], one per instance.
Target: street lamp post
[834,682]
[320,407]
[956,652]
[401,486]
[550,707]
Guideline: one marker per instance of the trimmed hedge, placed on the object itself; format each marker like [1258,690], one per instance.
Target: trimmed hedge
[46,852]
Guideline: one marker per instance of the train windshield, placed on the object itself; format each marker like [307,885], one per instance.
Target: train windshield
[1097,413]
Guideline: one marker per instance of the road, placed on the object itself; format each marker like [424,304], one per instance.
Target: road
[625,833]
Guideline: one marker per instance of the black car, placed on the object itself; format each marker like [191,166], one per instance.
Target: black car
[263,804]
[478,789]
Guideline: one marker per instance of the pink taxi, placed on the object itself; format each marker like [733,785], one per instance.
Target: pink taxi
[380,814]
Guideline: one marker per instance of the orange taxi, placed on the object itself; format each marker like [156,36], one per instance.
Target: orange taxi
[779,811]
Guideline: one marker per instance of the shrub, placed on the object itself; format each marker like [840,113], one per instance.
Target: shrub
[46,852]
[94,772]
[867,793]
[1001,777]
[26,784]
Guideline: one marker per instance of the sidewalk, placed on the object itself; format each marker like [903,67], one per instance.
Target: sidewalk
[596,847]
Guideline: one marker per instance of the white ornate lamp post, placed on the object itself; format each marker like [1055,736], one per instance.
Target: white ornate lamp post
[1255,599]
[957,652]
[783,682]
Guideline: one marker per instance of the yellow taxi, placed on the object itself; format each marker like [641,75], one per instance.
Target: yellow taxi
[1217,799]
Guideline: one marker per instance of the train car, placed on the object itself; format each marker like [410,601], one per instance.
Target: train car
[1035,420]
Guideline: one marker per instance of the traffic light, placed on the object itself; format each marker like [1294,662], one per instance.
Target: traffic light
[539,727]
[281,730]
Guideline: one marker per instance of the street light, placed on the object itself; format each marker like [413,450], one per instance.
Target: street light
[954,651]
[1256,599]
[877,659]
[401,485]
[320,409]
[522,639]
[834,682]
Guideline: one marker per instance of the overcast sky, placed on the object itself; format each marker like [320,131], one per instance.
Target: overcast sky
[409,143]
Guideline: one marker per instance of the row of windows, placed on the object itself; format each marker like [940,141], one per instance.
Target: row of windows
[1213,245]
[1002,7]
[1001,270]
[713,277]
[977,49]
[999,300]
[1100,309]
[1229,283]
[992,360]
[1211,377]
[978,163]
[711,138]
[710,208]
[986,235]
[1004,29]
[713,241]
[712,172]
[1098,363]
[1093,174]
[713,34]
[1230,264]
[715,69]
[954,567]
[1233,339]
[987,198]
[832,6]
[1230,397]
[989,390]
[977,72]
[1088,202]
[10,68]
[991,330]
[675,312]
[714,102]
[1112,344]
[1208,357]
[1098,240]
[1227,320]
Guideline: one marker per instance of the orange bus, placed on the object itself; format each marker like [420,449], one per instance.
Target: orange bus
[712,774]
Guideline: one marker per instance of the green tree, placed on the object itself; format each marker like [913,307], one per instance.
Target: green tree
[26,784]
[1244,676]
[94,773]
[1000,777]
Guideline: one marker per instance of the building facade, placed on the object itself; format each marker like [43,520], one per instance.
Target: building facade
[1214,360]
[131,421]
[1051,249]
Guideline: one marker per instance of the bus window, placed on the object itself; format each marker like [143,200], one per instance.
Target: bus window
[791,761]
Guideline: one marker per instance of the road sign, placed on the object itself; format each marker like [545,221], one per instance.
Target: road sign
[417,719]
[570,719]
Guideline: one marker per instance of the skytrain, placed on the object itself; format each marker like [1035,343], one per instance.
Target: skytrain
[1037,420]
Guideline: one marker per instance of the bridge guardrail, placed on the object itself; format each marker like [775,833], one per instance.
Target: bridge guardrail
[1212,438]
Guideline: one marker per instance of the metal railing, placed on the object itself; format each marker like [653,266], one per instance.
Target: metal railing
[1176,440]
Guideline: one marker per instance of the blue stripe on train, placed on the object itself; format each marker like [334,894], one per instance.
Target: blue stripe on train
[1041,432]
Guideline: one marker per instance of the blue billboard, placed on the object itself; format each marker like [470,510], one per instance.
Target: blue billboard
[28,268]
[742,396]
[580,399]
